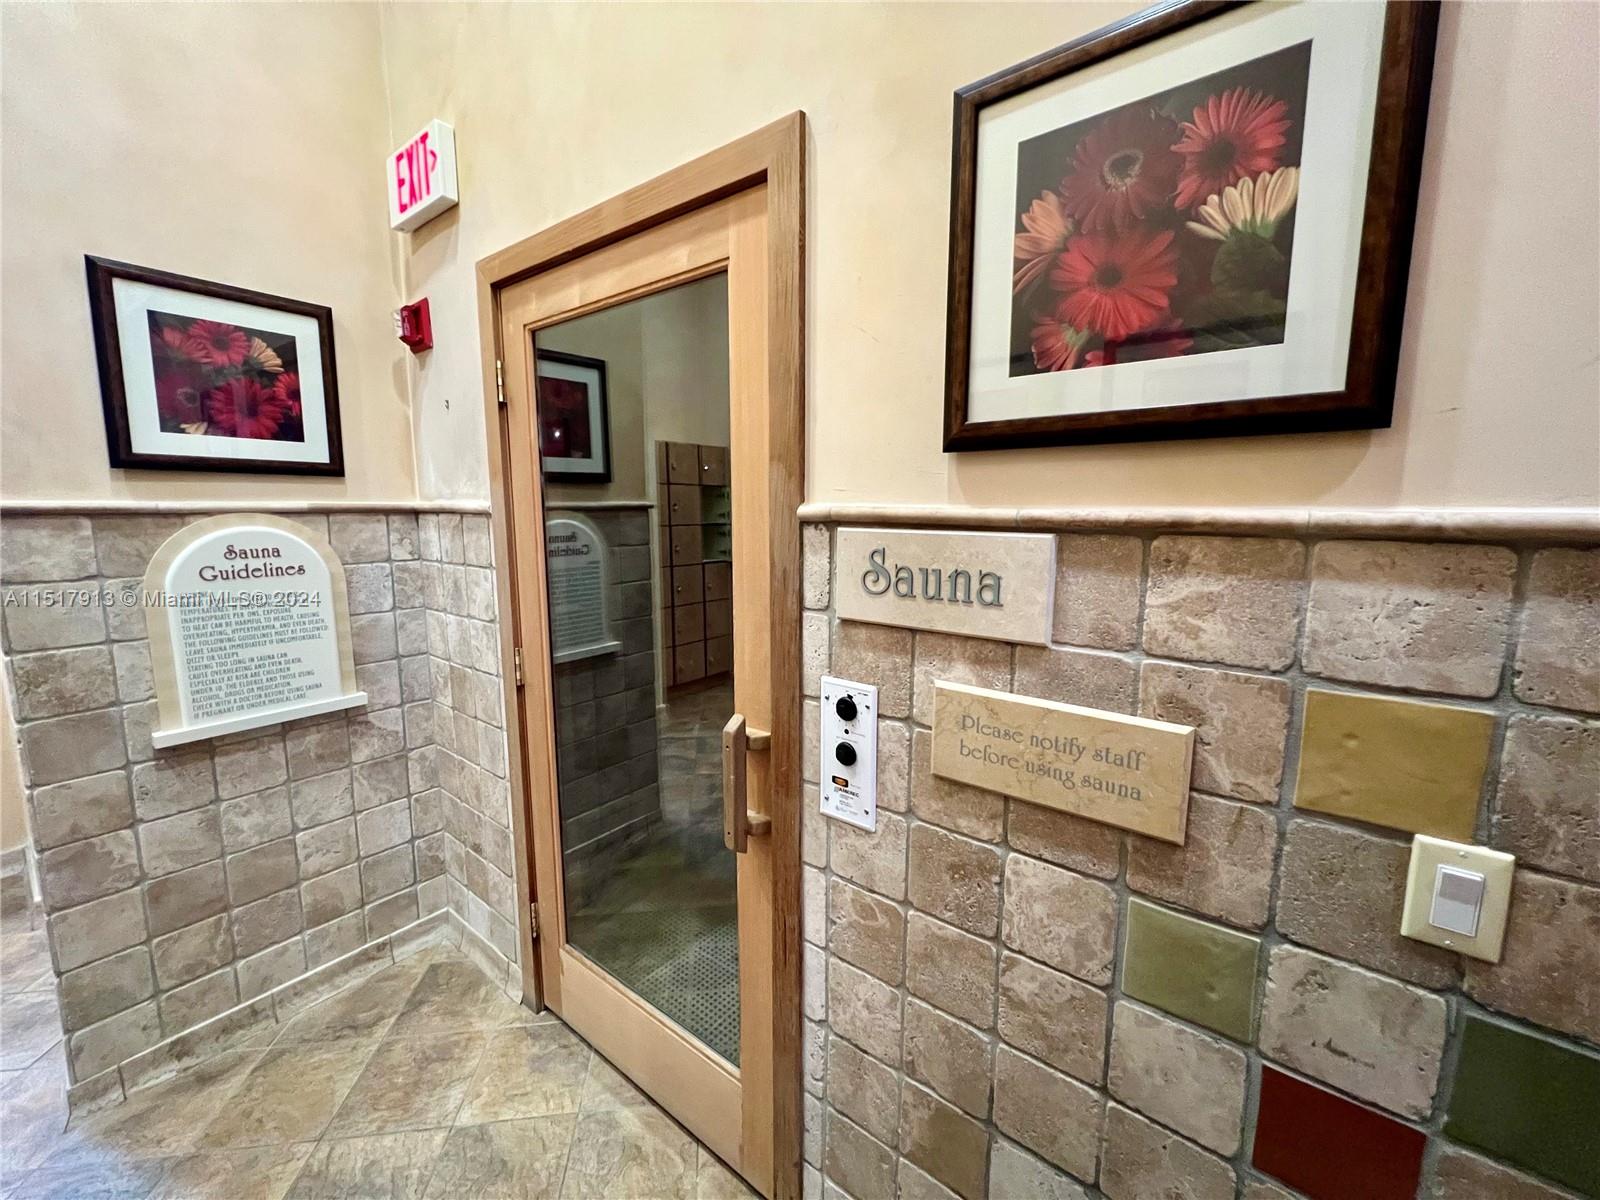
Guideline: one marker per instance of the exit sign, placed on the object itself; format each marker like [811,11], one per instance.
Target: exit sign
[422,177]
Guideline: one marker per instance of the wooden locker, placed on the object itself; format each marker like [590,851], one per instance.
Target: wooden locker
[689,663]
[719,581]
[719,655]
[719,618]
[714,465]
[687,586]
[683,463]
[688,624]
[687,545]
[683,505]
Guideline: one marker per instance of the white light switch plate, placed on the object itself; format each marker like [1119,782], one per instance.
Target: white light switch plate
[1442,896]
[849,730]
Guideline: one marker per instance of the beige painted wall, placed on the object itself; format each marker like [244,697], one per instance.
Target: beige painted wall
[686,364]
[275,184]
[617,336]
[559,106]
[666,359]
[236,142]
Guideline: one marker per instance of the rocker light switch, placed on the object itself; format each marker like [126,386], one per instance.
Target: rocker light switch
[1457,896]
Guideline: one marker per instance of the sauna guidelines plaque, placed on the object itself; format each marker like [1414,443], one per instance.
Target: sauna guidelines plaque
[249,625]
[1131,772]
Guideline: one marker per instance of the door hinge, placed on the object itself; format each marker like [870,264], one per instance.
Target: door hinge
[499,381]
[516,663]
[533,920]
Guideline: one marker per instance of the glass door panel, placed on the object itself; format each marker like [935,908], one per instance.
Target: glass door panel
[633,430]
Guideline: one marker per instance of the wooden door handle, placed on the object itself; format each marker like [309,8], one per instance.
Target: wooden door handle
[739,824]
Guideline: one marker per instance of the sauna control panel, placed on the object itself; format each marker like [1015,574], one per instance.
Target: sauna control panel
[849,749]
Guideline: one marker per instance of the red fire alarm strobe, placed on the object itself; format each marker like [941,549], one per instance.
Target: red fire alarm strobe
[414,328]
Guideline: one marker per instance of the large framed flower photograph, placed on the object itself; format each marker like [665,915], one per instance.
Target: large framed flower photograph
[1194,223]
[196,375]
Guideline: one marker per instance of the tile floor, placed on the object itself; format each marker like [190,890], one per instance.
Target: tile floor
[665,919]
[422,1080]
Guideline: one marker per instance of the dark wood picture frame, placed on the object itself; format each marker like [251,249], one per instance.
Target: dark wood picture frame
[102,273]
[1367,399]
[602,438]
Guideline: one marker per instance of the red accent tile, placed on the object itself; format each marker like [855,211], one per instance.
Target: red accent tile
[1331,1148]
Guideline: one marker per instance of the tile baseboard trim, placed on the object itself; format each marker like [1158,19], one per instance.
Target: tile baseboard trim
[490,961]
[14,861]
[1435,524]
[258,1019]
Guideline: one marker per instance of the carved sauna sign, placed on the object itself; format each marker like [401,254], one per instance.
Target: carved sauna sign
[988,585]
[1131,772]
[249,625]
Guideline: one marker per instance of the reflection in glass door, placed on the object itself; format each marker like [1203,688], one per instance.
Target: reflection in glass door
[633,408]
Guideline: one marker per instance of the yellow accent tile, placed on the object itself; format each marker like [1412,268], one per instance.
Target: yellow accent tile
[1401,763]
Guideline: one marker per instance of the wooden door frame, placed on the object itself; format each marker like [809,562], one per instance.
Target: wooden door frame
[775,156]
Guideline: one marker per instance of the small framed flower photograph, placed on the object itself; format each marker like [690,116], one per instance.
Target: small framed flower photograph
[201,376]
[574,439]
[1194,223]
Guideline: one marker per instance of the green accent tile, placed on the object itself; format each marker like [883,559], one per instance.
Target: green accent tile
[1401,763]
[1193,969]
[1530,1101]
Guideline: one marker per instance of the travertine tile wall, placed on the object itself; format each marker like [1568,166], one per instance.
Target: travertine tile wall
[180,883]
[969,1029]
[470,749]
[605,720]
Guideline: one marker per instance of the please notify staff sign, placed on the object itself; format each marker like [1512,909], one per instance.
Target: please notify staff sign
[1131,772]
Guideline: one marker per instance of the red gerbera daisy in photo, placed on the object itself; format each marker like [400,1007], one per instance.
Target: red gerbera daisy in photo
[217,344]
[1122,171]
[178,396]
[243,408]
[1116,285]
[1234,135]
[1046,228]
[169,344]
[1056,344]
[287,389]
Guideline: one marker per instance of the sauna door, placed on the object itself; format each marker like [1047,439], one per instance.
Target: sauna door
[655,643]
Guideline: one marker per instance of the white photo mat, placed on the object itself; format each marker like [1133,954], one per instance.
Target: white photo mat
[134,301]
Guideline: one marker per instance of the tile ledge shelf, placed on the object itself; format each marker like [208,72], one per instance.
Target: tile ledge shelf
[1445,524]
[89,508]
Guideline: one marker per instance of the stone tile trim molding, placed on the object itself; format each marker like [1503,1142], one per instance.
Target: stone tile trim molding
[1574,525]
[86,508]
[1021,1039]
[181,883]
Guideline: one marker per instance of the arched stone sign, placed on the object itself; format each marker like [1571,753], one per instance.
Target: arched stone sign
[249,625]
[580,602]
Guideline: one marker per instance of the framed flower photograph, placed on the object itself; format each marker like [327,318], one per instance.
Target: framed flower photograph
[1194,223]
[201,376]
[574,439]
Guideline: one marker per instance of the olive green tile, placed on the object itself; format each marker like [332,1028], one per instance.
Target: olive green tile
[1193,969]
[1401,763]
[1529,1100]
